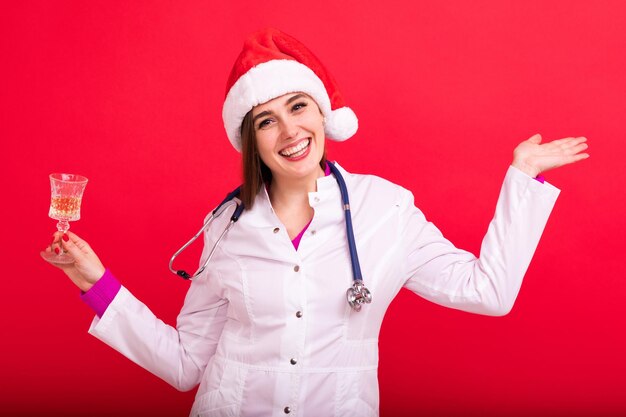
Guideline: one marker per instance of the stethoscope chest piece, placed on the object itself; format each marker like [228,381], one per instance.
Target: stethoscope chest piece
[358,295]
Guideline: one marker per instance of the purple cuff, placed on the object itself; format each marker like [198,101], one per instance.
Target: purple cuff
[101,293]
[540,178]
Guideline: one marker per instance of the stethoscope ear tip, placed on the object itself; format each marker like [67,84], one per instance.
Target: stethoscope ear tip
[183,274]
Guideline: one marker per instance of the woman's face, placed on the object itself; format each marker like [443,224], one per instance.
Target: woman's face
[290,136]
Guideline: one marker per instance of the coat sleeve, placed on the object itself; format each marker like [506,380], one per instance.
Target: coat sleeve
[177,355]
[489,284]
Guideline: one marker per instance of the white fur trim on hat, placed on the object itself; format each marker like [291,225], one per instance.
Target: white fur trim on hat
[275,78]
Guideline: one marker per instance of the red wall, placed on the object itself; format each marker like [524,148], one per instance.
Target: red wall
[129,94]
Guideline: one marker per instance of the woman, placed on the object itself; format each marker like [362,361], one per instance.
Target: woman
[266,329]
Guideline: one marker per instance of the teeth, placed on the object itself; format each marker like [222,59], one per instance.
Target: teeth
[298,149]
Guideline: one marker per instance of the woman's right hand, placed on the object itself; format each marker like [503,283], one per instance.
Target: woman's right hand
[87,268]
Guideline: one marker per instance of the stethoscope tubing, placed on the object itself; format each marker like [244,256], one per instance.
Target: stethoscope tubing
[227,202]
[357,295]
[345,200]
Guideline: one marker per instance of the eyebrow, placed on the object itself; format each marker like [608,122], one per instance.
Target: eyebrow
[294,98]
[267,112]
[262,114]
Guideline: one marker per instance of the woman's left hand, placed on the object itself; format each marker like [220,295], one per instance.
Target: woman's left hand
[533,157]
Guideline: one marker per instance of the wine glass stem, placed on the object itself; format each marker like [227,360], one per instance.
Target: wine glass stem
[63,226]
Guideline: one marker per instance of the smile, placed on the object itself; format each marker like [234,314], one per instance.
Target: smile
[297,150]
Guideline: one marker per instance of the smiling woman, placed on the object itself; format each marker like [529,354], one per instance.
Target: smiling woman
[285,138]
[282,122]
[265,329]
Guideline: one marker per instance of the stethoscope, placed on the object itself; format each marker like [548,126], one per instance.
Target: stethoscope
[357,295]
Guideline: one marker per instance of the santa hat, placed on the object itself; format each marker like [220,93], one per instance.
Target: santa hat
[272,64]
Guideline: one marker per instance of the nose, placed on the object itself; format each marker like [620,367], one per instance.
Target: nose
[289,128]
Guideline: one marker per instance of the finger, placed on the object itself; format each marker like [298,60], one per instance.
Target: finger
[56,236]
[536,138]
[571,141]
[558,142]
[570,149]
[579,148]
[80,243]
[76,252]
[574,141]
[55,245]
[560,146]
[573,158]
[579,141]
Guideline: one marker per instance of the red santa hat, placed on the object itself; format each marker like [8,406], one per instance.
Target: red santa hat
[272,64]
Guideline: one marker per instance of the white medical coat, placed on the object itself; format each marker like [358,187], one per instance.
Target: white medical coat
[266,330]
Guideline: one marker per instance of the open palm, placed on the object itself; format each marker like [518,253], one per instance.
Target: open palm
[533,157]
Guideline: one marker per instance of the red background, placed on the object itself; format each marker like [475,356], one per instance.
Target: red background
[129,94]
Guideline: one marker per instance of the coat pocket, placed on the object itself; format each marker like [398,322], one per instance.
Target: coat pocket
[357,394]
[225,382]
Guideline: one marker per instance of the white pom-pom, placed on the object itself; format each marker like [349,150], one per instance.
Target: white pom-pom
[341,124]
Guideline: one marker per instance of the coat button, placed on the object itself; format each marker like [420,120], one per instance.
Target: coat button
[298,314]
[293,361]
[316,199]
[296,268]
[313,232]
[276,230]
[287,410]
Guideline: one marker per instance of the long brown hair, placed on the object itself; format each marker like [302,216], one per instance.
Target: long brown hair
[255,172]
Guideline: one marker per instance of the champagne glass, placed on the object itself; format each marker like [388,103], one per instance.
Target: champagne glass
[66,196]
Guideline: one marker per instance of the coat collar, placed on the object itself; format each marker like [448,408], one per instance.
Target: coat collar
[326,202]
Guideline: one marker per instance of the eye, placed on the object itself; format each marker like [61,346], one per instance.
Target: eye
[299,106]
[264,123]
